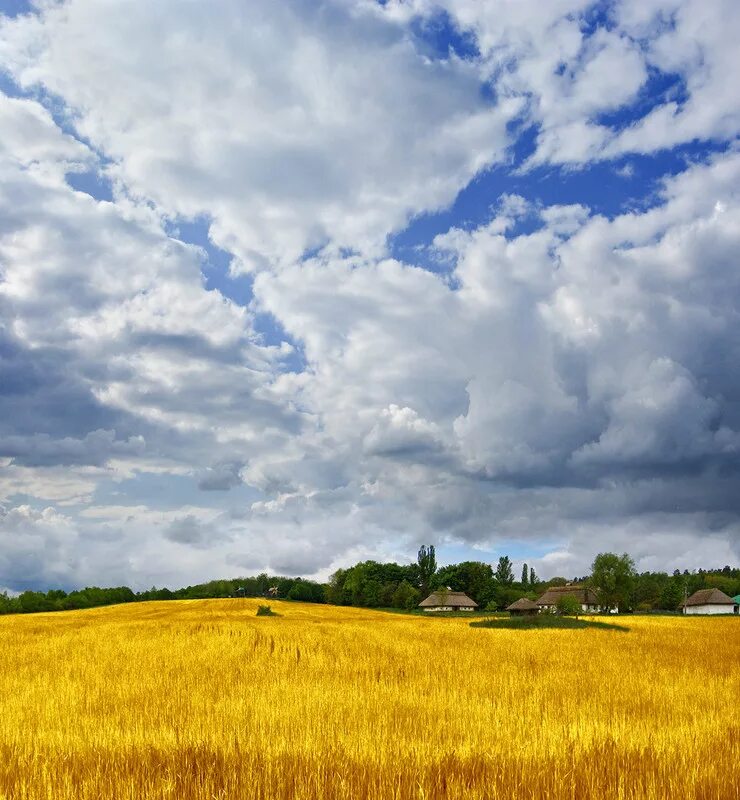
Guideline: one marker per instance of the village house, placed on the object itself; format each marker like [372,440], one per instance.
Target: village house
[586,597]
[447,600]
[523,607]
[709,601]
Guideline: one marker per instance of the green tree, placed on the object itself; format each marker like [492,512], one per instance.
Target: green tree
[532,576]
[475,578]
[525,574]
[406,596]
[568,606]
[672,594]
[427,562]
[504,573]
[613,577]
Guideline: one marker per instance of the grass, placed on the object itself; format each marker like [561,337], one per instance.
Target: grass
[202,700]
[546,622]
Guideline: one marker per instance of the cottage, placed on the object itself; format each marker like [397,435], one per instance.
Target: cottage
[447,600]
[523,607]
[586,597]
[709,601]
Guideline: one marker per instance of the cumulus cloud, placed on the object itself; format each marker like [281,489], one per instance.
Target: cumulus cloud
[585,69]
[301,151]
[565,379]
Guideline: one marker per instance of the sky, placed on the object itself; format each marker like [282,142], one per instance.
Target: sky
[289,285]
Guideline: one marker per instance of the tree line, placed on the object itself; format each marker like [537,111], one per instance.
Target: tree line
[374,584]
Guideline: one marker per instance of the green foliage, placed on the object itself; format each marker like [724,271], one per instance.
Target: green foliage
[306,591]
[532,576]
[504,573]
[525,574]
[613,577]
[475,578]
[671,595]
[568,606]
[427,563]
[265,611]
[406,596]
[545,621]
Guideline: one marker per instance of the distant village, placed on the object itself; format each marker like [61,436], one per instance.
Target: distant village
[572,599]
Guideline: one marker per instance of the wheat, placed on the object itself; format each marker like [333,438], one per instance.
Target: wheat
[202,699]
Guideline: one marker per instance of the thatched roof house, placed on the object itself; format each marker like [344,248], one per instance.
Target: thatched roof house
[709,601]
[586,597]
[447,600]
[523,606]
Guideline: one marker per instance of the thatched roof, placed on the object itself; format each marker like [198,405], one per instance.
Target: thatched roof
[452,599]
[584,596]
[523,604]
[712,597]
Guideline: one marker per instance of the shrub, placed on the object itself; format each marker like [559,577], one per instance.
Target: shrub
[265,611]
[568,606]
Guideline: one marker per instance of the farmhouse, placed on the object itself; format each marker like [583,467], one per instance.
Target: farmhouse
[586,597]
[523,607]
[447,600]
[709,601]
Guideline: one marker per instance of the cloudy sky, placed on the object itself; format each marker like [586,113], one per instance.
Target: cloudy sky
[285,285]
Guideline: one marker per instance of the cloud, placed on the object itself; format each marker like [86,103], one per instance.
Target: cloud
[590,71]
[557,378]
[302,151]
[220,477]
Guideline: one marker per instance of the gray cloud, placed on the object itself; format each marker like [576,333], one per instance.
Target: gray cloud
[572,387]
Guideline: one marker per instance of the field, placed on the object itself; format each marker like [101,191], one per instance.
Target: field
[202,699]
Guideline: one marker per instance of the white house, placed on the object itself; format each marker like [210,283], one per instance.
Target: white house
[586,597]
[447,600]
[709,601]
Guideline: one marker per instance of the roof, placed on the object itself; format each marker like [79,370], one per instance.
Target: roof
[713,597]
[736,599]
[523,604]
[454,599]
[583,595]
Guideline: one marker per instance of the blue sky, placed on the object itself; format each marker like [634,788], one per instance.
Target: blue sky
[285,287]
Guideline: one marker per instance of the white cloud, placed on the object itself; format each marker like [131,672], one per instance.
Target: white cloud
[572,73]
[572,387]
[337,141]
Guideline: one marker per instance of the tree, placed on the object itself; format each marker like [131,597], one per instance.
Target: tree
[504,573]
[672,594]
[568,606]
[406,596]
[613,578]
[475,578]
[525,574]
[532,576]
[427,561]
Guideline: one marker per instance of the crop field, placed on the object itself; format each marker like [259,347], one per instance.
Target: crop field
[203,699]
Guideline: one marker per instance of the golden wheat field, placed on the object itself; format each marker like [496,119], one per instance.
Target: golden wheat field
[202,699]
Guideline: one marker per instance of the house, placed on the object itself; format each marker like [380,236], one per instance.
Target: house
[447,600]
[709,601]
[586,597]
[523,607]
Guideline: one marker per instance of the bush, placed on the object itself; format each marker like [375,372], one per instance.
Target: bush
[265,611]
[568,606]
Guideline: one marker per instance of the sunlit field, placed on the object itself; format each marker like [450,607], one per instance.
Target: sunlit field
[203,699]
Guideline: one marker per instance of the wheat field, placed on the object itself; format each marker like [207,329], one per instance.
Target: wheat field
[203,699]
